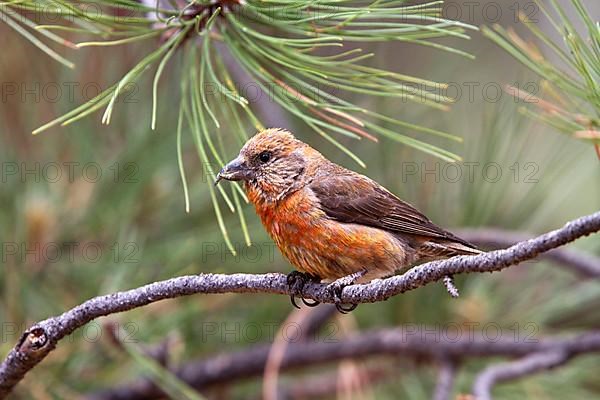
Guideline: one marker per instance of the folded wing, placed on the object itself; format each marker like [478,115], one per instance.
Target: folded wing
[353,198]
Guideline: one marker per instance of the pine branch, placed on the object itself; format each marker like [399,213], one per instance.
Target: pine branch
[39,340]
[278,47]
[571,95]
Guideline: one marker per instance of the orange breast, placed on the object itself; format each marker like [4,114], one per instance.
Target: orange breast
[318,245]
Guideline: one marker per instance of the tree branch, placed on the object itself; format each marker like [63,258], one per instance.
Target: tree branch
[39,340]
[482,389]
[586,265]
[243,364]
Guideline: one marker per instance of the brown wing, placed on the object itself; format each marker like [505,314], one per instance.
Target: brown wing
[353,198]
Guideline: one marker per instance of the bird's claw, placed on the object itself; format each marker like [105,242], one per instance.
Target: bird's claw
[337,287]
[296,281]
[336,291]
[346,310]
[309,303]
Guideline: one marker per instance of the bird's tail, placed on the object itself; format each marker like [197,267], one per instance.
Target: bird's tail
[446,249]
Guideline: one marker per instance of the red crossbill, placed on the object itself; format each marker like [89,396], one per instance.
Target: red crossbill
[332,223]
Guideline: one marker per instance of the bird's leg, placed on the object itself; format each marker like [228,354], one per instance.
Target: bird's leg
[336,288]
[296,281]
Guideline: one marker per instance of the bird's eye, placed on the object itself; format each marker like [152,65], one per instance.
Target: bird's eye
[265,156]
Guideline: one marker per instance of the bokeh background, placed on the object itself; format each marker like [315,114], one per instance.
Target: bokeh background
[114,219]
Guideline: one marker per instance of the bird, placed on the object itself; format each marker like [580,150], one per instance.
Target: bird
[332,224]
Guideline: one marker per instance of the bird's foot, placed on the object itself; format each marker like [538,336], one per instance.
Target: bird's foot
[336,288]
[296,281]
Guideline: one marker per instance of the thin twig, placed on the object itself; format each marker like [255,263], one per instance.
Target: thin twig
[39,340]
[450,286]
[485,381]
[276,353]
[445,382]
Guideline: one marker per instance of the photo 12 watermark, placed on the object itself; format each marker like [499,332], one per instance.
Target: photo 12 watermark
[88,252]
[471,92]
[68,172]
[491,12]
[292,332]
[469,172]
[70,92]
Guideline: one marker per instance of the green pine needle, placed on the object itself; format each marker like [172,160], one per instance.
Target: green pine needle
[277,43]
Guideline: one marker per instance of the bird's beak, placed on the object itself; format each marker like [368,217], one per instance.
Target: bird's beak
[235,170]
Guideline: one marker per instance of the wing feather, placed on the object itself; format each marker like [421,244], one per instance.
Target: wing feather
[353,198]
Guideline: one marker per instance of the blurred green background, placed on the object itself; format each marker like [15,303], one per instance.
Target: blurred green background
[114,219]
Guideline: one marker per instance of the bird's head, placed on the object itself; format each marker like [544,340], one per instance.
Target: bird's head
[273,163]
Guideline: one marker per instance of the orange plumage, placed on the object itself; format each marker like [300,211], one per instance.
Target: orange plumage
[319,246]
[331,222]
